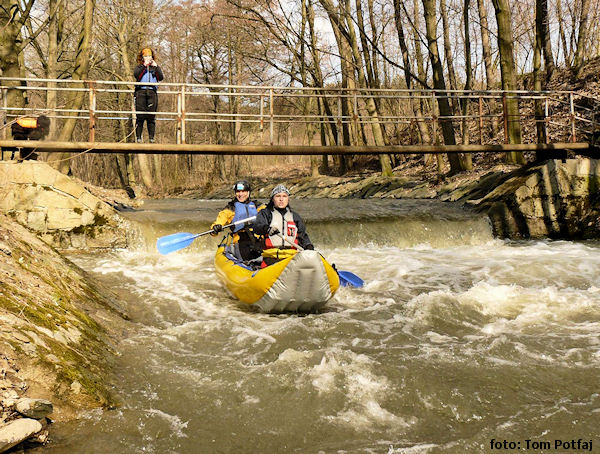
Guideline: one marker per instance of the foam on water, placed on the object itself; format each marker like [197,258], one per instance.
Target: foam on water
[445,344]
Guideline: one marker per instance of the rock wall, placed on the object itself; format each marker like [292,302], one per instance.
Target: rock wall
[554,199]
[61,211]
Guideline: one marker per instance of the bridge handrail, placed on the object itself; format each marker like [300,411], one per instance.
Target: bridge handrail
[473,92]
[260,107]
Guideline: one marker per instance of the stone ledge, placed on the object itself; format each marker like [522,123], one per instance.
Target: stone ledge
[553,199]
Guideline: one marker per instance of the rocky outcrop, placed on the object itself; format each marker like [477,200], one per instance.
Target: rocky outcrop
[60,210]
[554,199]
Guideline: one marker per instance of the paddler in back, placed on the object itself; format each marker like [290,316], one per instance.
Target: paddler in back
[283,229]
[240,207]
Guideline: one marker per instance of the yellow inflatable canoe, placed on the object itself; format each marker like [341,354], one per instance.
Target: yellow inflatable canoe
[302,282]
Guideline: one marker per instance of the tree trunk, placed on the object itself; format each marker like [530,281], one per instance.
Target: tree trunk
[485,45]
[126,126]
[11,46]
[537,82]
[317,80]
[415,104]
[234,79]
[145,170]
[582,37]
[130,170]
[376,127]
[364,43]
[509,80]
[545,36]
[423,106]
[429,11]
[448,46]
[75,100]
[51,72]
[467,159]
[350,36]
[561,33]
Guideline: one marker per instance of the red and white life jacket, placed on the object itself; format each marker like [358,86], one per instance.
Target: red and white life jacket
[286,226]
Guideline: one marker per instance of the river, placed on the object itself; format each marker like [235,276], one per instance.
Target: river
[457,339]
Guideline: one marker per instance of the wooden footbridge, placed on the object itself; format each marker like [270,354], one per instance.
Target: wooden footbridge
[267,120]
[583,148]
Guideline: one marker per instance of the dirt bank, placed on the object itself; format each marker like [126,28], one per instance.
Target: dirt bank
[58,328]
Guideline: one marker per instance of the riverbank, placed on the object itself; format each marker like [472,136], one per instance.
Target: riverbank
[58,327]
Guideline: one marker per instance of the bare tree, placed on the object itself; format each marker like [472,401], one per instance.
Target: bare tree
[509,80]
[343,23]
[485,44]
[12,19]
[429,11]
[582,37]
[75,99]
[537,81]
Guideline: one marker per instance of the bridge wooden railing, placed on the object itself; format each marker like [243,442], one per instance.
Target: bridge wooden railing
[272,116]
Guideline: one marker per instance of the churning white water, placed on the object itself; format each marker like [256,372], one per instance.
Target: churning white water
[456,340]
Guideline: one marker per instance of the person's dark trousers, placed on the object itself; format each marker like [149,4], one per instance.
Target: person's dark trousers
[20,133]
[146,100]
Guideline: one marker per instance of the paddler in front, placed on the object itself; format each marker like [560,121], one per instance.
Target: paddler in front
[247,246]
[282,227]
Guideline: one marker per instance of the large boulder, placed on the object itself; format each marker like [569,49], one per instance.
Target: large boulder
[17,431]
[553,199]
[63,212]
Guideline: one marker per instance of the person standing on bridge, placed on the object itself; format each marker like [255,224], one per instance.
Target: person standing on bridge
[146,96]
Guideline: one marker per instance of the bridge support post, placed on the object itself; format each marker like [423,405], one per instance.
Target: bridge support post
[355,120]
[593,128]
[262,113]
[178,130]
[546,119]
[271,117]
[480,121]
[340,135]
[505,117]
[434,118]
[183,111]
[92,121]
[572,112]
[4,117]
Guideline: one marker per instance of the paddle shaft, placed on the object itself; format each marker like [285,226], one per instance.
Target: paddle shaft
[296,246]
[177,241]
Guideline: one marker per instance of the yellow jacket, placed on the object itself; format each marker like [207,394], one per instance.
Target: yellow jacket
[227,214]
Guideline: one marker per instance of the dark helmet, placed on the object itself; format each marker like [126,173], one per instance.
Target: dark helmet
[241,185]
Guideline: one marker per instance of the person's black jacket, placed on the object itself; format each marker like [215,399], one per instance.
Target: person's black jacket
[140,71]
[265,216]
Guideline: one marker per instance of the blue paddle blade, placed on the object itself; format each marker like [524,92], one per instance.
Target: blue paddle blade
[174,242]
[349,279]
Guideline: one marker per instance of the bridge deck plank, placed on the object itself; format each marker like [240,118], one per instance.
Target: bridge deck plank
[208,149]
